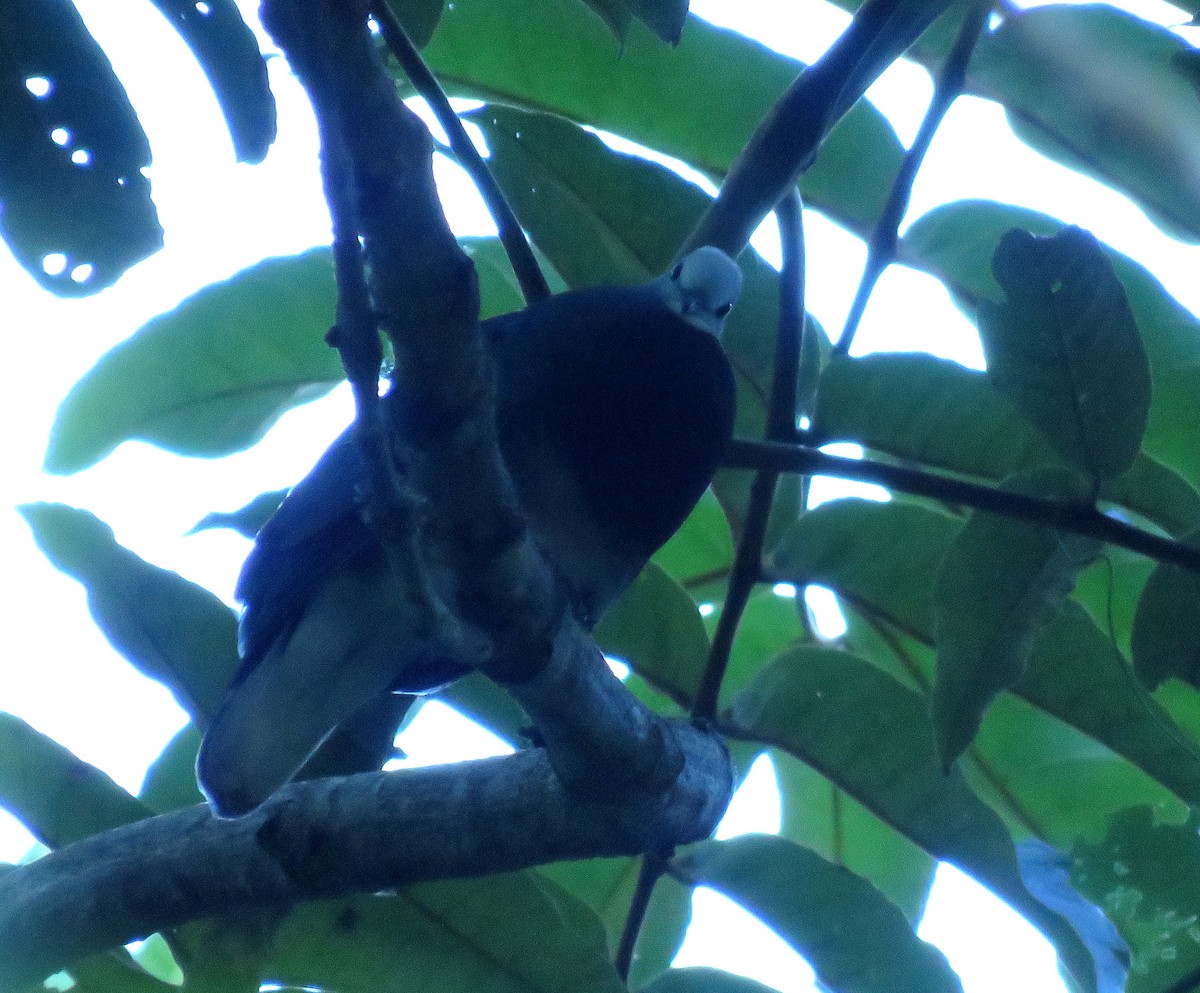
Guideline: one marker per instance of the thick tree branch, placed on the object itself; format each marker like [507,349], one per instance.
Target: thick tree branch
[333,837]
[1077,518]
[473,540]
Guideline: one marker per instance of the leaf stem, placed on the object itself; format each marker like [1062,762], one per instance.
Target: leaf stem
[881,251]
[1077,518]
[520,255]
[654,864]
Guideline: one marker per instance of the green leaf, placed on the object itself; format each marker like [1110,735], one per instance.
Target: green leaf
[1033,761]
[886,758]
[664,17]
[170,782]
[881,560]
[169,628]
[818,815]
[1065,348]
[881,555]
[607,886]
[701,979]
[1077,674]
[58,797]
[999,582]
[956,243]
[916,406]
[854,938]
[769,624]
[1145,874]
[229,55]
[698,102]
[1100,90]
[700,553]
[514,932]
[96,213]
[919,407]
[1157,493]
[115,972]
[1166,627]
[419,17]
[210,376]
[656,628]
[583,203]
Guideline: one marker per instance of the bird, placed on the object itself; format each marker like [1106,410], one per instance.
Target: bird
[614,407]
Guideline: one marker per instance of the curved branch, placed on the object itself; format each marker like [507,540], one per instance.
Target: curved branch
[520,255]
[333,837]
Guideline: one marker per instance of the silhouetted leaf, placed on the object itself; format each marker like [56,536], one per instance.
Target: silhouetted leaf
[246,520]
[76,205]
[57,796]
[1065,348]
[228,53]
[956,243]
[170,629]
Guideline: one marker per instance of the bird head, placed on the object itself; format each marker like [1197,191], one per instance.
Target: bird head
[702,288]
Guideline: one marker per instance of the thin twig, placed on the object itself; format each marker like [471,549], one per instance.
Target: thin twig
[654,864]
[520,255]
[1077,518]
[781,423]
[356,337]
[881,252]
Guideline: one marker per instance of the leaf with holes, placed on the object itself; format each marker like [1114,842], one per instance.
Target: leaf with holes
[76,211]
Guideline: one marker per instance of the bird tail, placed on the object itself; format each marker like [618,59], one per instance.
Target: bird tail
[341,656]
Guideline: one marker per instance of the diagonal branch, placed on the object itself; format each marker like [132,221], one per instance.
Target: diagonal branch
[1077,518]
[789,137]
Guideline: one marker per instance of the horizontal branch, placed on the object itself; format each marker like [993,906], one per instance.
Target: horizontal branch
[332,837]
[1077,518]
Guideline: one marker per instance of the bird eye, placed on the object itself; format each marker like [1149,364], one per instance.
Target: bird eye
[724,309]
[677,271]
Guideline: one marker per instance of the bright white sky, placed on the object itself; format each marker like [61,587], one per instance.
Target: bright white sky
[219,217]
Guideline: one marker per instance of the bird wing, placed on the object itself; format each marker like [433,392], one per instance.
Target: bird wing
[315,532]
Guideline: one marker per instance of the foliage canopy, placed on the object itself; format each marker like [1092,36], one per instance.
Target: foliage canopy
[1016,688]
